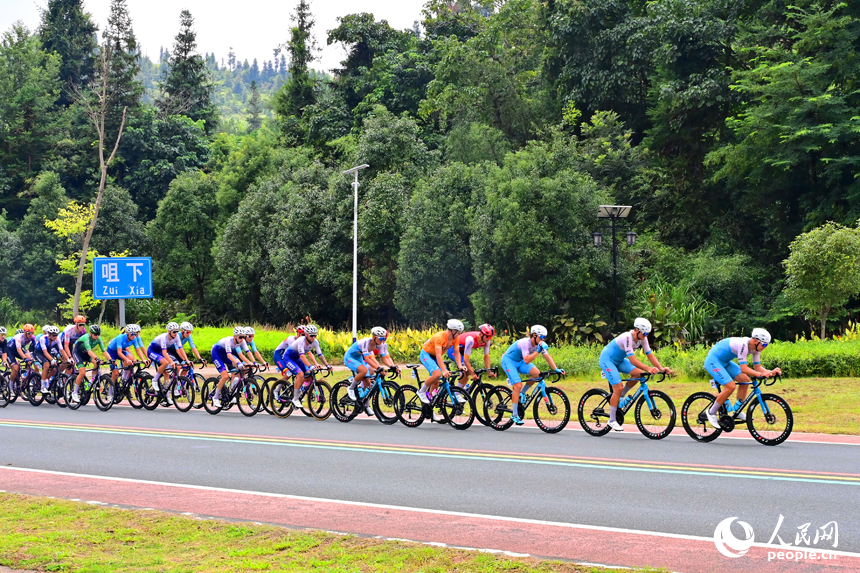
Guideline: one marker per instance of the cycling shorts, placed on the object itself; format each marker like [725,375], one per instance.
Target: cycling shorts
[39,356]
[219,358]
[80,359]
[429,362]
[513,369]
[451,356]
[353,363]
[280,360]
[294,363]
[722,372]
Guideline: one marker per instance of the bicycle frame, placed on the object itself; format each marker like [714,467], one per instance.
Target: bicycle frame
[641,390]
[756,384]
[539,384]
[378,378]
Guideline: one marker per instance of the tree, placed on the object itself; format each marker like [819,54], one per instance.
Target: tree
[186,84]
[119,227]
[70,32]
[182,236]
[298,91]
[255,109]
[29,86]
[823,270]
[126,88]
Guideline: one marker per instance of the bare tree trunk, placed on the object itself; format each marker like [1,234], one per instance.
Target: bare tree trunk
[102,313]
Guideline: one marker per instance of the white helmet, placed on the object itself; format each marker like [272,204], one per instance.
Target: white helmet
[761,335]
[54,329]
[2,330]
[186,327]
[539,330]
[132,328]
[46,328]
[172,326]
[239,331]
[379,331]
[249,331]
[456,325]
[643,325]
[311,329]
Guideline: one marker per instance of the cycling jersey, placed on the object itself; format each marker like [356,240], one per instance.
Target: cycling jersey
[719,362]
[361,348]
[71,334]
[163,341]
[122,342]
[624,346]
[513,360]
[301,346]
[84,344]
[183,340]
[441,340]
[44,346]
[467,342]
[3,345]
[19,341]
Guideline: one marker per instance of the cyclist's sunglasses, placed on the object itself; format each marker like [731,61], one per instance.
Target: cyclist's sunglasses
[174,332]
[763,344]
[242,337]
[382,338]
[310,335]
[541,336]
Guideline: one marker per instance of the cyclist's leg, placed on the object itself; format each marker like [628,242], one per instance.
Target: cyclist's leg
[613,375]
[281,363]
[531,372]
[723,375]
[743,386]
[221,362]
[432,381]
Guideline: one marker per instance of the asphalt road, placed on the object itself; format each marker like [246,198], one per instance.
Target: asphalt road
[622,480]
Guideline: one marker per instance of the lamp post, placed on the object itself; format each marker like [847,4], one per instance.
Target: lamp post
[613,213]
[355,171]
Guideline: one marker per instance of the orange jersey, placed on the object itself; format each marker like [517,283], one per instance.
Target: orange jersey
[442,340]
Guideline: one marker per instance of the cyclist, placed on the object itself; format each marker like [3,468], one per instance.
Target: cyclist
[517,360]
[227,356]
[158,351]
[3,343]
[469,341]
[281,350]
[297,359]
[82,355]
[619,356]
[69,336]
[118,349]
[22,346]
[252,347]
[361,357]
[720,364]
[186,328]
[431,357]
[47,350]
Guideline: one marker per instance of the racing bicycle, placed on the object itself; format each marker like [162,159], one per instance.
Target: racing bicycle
[653,410]
[551,407]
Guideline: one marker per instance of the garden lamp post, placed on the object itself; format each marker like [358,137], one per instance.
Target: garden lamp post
[355,171]
[613,213]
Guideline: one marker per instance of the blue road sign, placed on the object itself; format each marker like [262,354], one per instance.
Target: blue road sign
[122,277]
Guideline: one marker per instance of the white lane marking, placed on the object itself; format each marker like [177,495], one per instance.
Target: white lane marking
[407,508]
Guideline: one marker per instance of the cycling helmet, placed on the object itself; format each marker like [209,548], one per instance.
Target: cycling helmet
[186,327]
[487,330]
[46,328]
[132,328]
[172,326]
[95,329]
[19,331]
[80,319]
[643,325]
[51,329]
[250,331]
[29,328]
[539,330]
[311,329]
[239,331]
[456,325]
[379,331]
[2,330]
[761,335]
[300,329]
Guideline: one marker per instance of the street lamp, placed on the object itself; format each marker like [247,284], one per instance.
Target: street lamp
[355,171]
[613,213]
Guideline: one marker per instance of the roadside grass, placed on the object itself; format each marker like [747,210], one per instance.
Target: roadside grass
[819,405]
[57,535]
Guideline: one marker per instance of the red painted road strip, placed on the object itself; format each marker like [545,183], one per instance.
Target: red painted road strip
[579,543]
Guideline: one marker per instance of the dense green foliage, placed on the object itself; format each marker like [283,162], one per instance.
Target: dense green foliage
[493,132]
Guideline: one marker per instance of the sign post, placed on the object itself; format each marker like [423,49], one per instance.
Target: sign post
[121,278]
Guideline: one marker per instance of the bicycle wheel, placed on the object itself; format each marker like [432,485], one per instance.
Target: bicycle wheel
[497,408]
[479,397]
[13,388]
[249,397]
[342,407]
[147,395]
[407,406]
[34,391]
[656,423]
[198,383]
[281,398]
[68,390]
[318,400]
[208,392]
[266,385]
[103,393]
[383,402]
[553,412]
[457,408]
[4,392]
[695,420]
[183,393]
[593,412]
[773,428]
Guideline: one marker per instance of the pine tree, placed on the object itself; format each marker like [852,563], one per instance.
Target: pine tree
[126,89]
[69,31]
[298,92]
[186,85]
[255,109]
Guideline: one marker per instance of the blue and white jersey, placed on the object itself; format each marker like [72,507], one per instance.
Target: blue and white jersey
[164,341]
[44,344]
[71,334]
[361,348]
[19,341]
[624,346]
[229,345]
[122,342]
[728,349]
[285,344]
[302,346]
[521,348]
[183,340]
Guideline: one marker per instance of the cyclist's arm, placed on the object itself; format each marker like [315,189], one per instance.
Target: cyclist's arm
[126,358]
[197,354]
[372,362]
[259,357]
[550,361]
[467,362]
[441,361]
[639,364]
[182,354]
[323,359]
[141,354]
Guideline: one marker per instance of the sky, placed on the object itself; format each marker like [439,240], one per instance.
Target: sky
[253,28]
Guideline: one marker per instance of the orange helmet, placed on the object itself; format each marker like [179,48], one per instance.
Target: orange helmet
[80,319]
[29,328]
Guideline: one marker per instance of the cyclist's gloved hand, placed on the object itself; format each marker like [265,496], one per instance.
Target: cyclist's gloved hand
[543,347]
[560,370]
